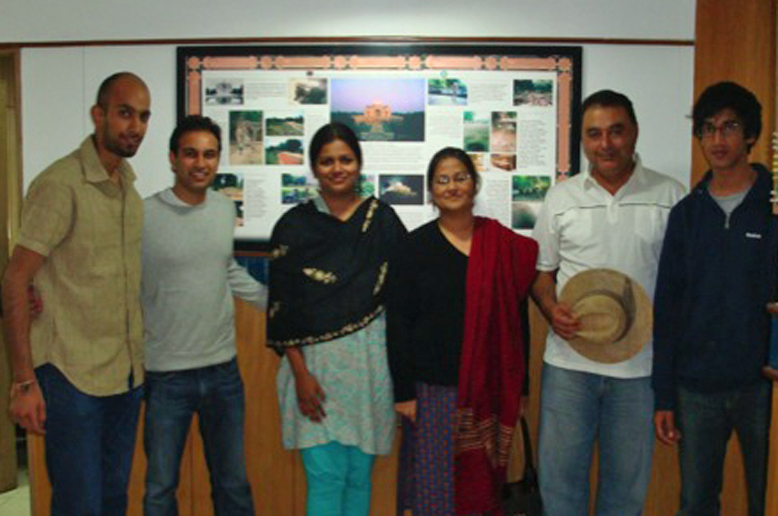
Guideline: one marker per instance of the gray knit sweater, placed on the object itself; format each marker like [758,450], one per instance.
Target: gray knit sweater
[189,280]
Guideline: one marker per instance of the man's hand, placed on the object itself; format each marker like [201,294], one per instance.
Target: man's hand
[559,315]
[664,426]
[564,321]
[407,409]
[26,405]
[28,409]
[310,396]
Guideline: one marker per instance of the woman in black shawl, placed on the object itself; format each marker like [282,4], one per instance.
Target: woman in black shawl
[325,315]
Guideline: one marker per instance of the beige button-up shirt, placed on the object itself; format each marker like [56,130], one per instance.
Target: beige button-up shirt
[89,230]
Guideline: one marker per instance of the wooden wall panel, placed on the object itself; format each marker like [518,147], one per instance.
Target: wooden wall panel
[771,503]
[735,41]
[271,469]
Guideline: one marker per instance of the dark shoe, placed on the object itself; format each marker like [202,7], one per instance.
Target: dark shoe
[770,372]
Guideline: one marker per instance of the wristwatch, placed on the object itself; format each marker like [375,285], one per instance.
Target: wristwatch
[21,387]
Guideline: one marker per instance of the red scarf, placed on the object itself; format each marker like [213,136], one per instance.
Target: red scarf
[500,271]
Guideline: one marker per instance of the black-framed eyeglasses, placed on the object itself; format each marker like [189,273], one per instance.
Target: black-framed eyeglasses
[727,129]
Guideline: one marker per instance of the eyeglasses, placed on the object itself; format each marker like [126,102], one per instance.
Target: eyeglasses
[727,129]
[457,178]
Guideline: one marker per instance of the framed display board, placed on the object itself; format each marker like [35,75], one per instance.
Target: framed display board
[512,108]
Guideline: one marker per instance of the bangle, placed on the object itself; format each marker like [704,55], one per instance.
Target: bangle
[22,387]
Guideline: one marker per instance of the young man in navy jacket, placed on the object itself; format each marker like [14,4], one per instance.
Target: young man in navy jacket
[711,327]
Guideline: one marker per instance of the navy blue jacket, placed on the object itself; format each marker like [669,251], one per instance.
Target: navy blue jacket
[711,328]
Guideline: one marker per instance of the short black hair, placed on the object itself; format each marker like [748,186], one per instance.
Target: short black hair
[104,91]
[193,123]
[609,98]
[328,134]
[458,154]
[729,95]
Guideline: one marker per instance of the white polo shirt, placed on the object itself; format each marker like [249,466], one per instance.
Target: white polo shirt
[582,226]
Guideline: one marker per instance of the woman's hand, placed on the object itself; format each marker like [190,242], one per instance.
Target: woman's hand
[310,396]
[407,409]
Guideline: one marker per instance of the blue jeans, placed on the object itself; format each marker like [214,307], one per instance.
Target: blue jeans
[90,441]
[215,394]
[706,422]
[578,409]
[338,480]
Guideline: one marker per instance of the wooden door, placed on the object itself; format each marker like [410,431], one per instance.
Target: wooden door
[9,204]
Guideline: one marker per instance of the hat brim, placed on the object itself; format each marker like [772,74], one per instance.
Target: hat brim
[636,336]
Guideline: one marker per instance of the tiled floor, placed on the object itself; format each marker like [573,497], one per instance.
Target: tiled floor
[17,502]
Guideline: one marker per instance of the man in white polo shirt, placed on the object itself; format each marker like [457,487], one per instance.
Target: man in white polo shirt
[612,216]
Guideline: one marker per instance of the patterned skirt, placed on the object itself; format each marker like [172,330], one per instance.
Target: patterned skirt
[425,483]
[426,473]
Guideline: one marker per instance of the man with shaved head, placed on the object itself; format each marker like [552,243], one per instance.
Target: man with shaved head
[78,366]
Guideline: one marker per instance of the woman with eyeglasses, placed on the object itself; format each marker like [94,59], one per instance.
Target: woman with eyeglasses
[457,304]
[326,317]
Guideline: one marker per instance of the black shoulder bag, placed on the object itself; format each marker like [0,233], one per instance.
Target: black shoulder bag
[522,498]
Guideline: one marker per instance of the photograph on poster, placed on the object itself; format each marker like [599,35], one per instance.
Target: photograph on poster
[512,109]
[506,162]
[402,189]
[446,92]
[528,193]
[478,161]
[246,138]
[533,92]
[308,91]
[284,151]
[297,188]
[503,136]
[292,125]
[224,92]
[366,185]
[387,110]
[477,129]
[240,218]
[231,185]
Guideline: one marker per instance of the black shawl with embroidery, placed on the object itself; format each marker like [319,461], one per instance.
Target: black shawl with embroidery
[327,276]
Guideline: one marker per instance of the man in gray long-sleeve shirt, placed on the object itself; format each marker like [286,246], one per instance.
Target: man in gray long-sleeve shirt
[189,280]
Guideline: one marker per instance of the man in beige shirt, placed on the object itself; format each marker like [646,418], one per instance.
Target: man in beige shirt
[78,367]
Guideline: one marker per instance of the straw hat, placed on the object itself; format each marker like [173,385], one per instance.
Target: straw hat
[615,313]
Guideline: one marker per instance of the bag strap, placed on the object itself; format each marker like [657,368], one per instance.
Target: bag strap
[529,466]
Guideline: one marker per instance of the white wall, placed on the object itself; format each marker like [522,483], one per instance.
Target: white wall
[59,83]
[660,83]
[79,20]
[58,87]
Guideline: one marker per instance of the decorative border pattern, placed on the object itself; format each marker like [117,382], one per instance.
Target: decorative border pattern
[332,335]
[565,61]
